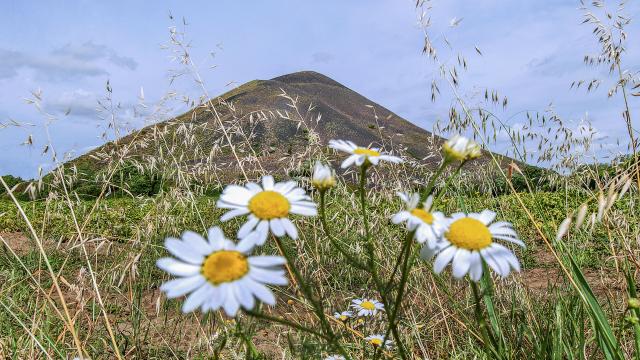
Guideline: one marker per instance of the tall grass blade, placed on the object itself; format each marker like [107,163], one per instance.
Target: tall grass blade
[604,334]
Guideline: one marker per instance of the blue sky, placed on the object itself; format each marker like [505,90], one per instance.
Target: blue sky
[532,51]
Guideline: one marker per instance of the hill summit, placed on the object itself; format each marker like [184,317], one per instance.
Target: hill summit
[271,120]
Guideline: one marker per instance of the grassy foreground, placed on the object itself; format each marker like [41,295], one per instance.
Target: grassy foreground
[122,237]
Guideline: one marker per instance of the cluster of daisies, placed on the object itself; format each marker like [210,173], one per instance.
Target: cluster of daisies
[462,240]
[219,273]
[362,309]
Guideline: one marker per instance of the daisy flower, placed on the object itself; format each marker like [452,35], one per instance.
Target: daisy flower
[268,205]
[367,307]
[378,340]
[343,316]
[428,225]
[334,357]
[361,155]
[217,273]
[469,239]
[461,148]
[323,177]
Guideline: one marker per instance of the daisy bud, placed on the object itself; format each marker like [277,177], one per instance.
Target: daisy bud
[632,319]
[634,303]
[460,148]
[323,177]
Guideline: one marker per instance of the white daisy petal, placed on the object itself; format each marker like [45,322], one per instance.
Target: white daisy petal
[267,261]
[427,252]
[510,239]
[244,296]
[253,188]
[248,226]
[494,262]
[267,182]
[261,292]
[231,304]
[218,297]
[177,268]
[461,263]
[268,277]
[216,238]
[183,251]
[289,228]
[234,213]
[400,217]
[181,286]
[235,195]
[196,299]
[247,243]
[276,227]
[197,242]
[487,216]
[475,266]
[349,161]
[262,231]
[443,259]
[303,210]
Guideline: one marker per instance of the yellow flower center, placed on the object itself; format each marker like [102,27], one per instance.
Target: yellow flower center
[469,233]
[267,205]
[343,317]
[225,266]
[368,305]
[423,215]
[365,151]
[375,342]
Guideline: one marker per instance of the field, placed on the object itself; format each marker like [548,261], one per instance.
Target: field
[108,273]
[246,229]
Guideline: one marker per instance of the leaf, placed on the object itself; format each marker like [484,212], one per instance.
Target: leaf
[606,339]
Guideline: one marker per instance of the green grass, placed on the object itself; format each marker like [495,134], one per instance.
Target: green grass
[131,232]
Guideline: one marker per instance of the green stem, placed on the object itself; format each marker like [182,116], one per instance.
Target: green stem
[323,219]
[629,125]
[632,292]
[285,322]
[406,269]
[365,218]
[316,304]
[432,181]
[397,266]
[372,260]
[489,344]
[448,182]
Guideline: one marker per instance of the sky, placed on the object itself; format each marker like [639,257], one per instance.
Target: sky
[531,52]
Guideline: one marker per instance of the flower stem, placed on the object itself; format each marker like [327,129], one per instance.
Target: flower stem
[448,182]
[406,269]
[432,181]
[316,304]
[489,343]
[323,219]
[285,322]
[372,257]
